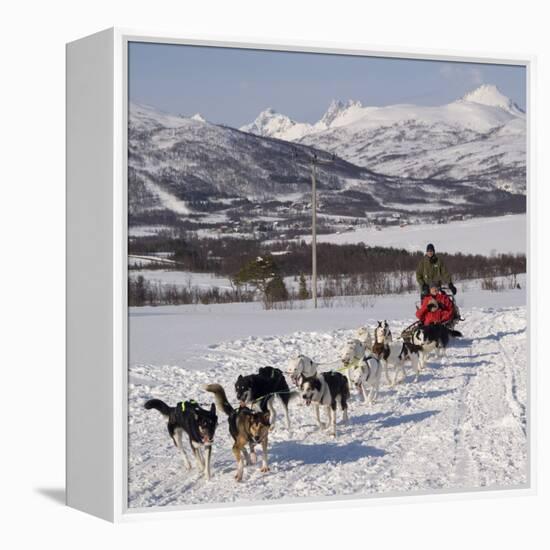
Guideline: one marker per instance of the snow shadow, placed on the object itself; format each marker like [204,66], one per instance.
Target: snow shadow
[393,421]
[469,364]
[502,334]
[428,394]
[320,453]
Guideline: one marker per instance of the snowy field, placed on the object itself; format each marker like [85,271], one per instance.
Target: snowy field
[502,234]
[462,426]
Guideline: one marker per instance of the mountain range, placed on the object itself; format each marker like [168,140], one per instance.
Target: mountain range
[481,135]
[467,156]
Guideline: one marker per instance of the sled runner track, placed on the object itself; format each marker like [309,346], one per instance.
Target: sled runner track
[511,387]
[465,468]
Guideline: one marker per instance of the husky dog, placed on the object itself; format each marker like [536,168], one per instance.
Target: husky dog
[326,389]
[388,352]
[352,352]
[352,355]
[247,428]
[363,335]
[416,355]
[301,365]
[199,424]
[269,382]
[367,373]
[432,337]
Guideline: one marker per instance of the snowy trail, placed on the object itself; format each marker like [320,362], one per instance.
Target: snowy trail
[463,425]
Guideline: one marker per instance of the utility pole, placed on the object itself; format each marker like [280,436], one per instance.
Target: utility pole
[314,231]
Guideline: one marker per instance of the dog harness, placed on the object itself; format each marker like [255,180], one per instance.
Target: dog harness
[191,402]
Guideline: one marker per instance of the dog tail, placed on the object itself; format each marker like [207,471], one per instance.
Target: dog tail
[221,398]
[159,405]
[455,333]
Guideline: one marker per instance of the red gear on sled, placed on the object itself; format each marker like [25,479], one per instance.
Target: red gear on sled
[443,313]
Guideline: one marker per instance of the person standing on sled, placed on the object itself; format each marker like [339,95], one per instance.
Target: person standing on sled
[436,307]
[431,268]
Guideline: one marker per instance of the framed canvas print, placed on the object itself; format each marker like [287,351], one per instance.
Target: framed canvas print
[296,274]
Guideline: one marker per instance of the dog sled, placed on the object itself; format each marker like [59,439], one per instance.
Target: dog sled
[408,332]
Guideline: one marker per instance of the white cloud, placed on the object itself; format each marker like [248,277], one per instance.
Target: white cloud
[456,71]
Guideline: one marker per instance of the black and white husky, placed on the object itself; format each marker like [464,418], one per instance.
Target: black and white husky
[199,424]
[326,390]
[366,374]
[434,337]
[269,383]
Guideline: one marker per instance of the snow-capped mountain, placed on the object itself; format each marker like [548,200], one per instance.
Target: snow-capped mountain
[481,135]
[185,170]
[269,123]
[489,94]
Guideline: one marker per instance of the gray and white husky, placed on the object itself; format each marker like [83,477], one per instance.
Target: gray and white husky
[352,355]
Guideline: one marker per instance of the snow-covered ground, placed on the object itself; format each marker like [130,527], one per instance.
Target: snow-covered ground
[503,234]
[463,425]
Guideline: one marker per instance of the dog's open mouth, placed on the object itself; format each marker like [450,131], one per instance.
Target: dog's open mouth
[308,400]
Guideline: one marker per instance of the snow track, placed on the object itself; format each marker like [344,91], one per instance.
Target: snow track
[461,426]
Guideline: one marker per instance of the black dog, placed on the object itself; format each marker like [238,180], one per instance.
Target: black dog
[198,423]
[434,336]
[268,382]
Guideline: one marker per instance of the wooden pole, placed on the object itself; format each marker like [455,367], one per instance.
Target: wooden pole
[313,234]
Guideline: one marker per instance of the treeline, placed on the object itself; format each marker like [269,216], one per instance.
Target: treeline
[225,257]
[142,292]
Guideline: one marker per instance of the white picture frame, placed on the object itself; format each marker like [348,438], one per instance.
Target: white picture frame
[97,328]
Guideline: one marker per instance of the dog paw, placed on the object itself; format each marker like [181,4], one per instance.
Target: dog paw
[264,469]
[238,477]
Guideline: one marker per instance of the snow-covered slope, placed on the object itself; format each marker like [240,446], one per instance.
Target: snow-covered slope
[462,426]
[481,135]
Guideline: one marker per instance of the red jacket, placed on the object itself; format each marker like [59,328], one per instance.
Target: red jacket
[442,314]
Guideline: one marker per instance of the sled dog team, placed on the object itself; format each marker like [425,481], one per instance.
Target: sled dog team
[363,359]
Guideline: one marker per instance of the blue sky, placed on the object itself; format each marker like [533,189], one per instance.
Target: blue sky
[232,86]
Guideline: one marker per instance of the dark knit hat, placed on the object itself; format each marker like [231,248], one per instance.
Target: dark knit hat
[430,247]
[433,284]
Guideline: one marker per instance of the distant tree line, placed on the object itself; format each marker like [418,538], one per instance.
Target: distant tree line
[142,292]
[227,256]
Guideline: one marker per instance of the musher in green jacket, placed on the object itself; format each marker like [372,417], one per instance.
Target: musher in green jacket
[432,268]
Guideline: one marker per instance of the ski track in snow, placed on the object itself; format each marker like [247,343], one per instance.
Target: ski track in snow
[461,426]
